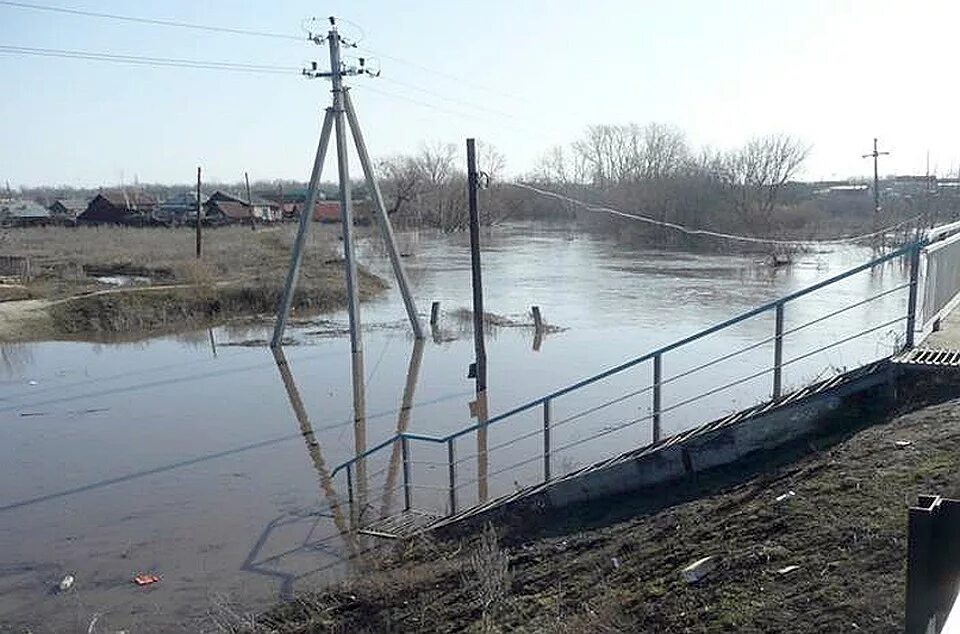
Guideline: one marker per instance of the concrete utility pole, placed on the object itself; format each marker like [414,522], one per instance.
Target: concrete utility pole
[334,118]
[876,175]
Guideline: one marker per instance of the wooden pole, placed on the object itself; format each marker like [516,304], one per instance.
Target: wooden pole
[253,220]
[537,318]
[199,209]
[479,347]
[434,313]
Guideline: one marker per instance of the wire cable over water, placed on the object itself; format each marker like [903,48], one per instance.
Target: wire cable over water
[706,232]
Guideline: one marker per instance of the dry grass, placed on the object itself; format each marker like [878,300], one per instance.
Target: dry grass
[241,273]
[161,253]
[488,575]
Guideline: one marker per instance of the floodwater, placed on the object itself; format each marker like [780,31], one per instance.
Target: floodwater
[208,464]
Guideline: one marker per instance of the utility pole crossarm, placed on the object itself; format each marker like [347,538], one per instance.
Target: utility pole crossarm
[876,174]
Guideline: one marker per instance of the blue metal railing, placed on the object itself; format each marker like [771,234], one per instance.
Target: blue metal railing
[910,251]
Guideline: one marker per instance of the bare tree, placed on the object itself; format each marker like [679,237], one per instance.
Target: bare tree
[402,181]
[754,175]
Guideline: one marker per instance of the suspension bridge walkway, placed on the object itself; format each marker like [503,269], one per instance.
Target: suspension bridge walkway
[907,310]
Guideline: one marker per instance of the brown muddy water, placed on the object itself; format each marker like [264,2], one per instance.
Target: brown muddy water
[184,456]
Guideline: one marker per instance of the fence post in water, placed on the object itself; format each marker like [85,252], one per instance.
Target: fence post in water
[405,453]
[546,440]
[657,373]
[434,313]
[452,474]
[778,352]
[912,300]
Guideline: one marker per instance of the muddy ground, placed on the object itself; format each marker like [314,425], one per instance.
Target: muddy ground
[613,568]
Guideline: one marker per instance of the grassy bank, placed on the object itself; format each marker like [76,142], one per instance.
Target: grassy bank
[612,568]
[114,281]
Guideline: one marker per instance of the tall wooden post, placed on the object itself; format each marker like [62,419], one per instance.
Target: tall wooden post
[253,220]
[199,209]
[479,347]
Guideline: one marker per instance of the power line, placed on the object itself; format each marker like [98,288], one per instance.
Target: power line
[148,61]
[239,31]
[501,113]
[152,21]
[705,232]
[523,129]
[449,76]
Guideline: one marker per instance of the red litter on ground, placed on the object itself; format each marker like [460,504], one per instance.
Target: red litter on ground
[145,580]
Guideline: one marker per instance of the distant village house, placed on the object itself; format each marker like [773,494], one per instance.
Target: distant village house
[120,207]
[66,210]
[22,213]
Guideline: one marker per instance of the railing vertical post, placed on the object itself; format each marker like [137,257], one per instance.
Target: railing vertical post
[405,453]
[912,300]
[349,485]
[778,352]
[657,376]
[452,473]
[546,440]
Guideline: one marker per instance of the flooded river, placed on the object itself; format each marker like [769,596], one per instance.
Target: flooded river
[208,465]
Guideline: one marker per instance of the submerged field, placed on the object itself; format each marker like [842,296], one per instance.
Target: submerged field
[104,282]
[829,555]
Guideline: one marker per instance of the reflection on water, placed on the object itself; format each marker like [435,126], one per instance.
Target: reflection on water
[180,456]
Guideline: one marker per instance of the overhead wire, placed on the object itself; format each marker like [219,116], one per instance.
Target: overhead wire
[637,216]
[143,60]
[242,31]
[151,21]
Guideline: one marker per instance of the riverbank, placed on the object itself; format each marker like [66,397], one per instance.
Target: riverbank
[105,283]
[810,545]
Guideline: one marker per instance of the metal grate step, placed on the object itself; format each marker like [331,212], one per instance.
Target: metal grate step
[940,357]
[402,525]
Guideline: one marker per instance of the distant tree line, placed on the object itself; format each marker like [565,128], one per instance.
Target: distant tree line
[650,169]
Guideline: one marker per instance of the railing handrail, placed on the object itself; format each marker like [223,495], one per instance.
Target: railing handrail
[902,250]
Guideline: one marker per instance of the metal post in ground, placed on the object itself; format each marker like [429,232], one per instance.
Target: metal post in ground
[657,376]
[912,298]
[778,352]
[546,440]
[382,219]
[452,474]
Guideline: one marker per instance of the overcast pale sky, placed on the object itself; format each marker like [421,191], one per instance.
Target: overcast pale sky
[522,75]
